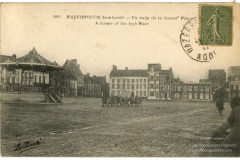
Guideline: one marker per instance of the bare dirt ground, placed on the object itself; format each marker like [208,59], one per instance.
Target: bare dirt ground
[81,127]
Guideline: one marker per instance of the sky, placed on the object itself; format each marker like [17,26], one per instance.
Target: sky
[98,47]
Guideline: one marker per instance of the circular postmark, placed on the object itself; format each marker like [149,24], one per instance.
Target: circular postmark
[190,43]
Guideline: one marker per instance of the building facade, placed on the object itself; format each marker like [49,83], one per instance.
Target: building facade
[192,91]
[153,80]
[165,81]
[128,82]
[95,86]
[74,79]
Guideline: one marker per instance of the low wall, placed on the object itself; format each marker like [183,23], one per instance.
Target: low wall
[23,97]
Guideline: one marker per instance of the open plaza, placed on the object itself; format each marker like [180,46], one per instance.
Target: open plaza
[82,127]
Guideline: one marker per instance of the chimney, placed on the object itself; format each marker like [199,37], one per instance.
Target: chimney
[126,68]
[14,56]
[78,66]
[88,74]
[114,67]
[74,61]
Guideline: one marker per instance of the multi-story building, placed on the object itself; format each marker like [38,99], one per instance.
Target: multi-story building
[128,82]
[74,78]
[192,91]
[153,80]
[165,81]
[95,86]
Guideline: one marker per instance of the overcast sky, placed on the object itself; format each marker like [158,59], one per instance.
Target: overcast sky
[98,47]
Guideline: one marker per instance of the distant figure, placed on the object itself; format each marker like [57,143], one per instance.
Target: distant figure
[234,125]
[220,105]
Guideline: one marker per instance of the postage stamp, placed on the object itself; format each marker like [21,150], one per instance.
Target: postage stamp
[216,25]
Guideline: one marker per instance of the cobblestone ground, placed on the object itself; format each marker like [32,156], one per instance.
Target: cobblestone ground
[81,127]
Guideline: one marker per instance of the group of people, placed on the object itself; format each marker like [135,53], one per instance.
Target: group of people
[121,101]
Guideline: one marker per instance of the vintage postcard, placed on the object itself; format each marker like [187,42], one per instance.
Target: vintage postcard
[120,79]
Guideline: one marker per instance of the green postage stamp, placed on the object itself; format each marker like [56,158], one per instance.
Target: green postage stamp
[216,25]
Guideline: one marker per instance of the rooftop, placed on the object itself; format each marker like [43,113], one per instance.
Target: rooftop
[128,73]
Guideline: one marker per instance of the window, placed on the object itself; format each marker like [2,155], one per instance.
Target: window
[8,79]
[113,86]
[144,93]
[44,79]
[151,93]
[206,95]
[179,88]
[174,88]
[118,80]
[140,93]
[132,86]
[145,86]
[118,86]
[184,88]
[13,79]
[136,86]
[124,80]
[128,86]
[195,96]
[206,89]
[140,86]
[132,80]
[151,86]
[161,87]
[137,80]
[124,86]
[189,95]
[157,86]
[113,80]
[136,93]
[201,95]
[128,80]
[40,79]
[196,88]
[190,88]
[201,89]
[145,80]
[141,80]
[184,96]
[26,74]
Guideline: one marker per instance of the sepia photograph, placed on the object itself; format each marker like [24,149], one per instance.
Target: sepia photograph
[120,79]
